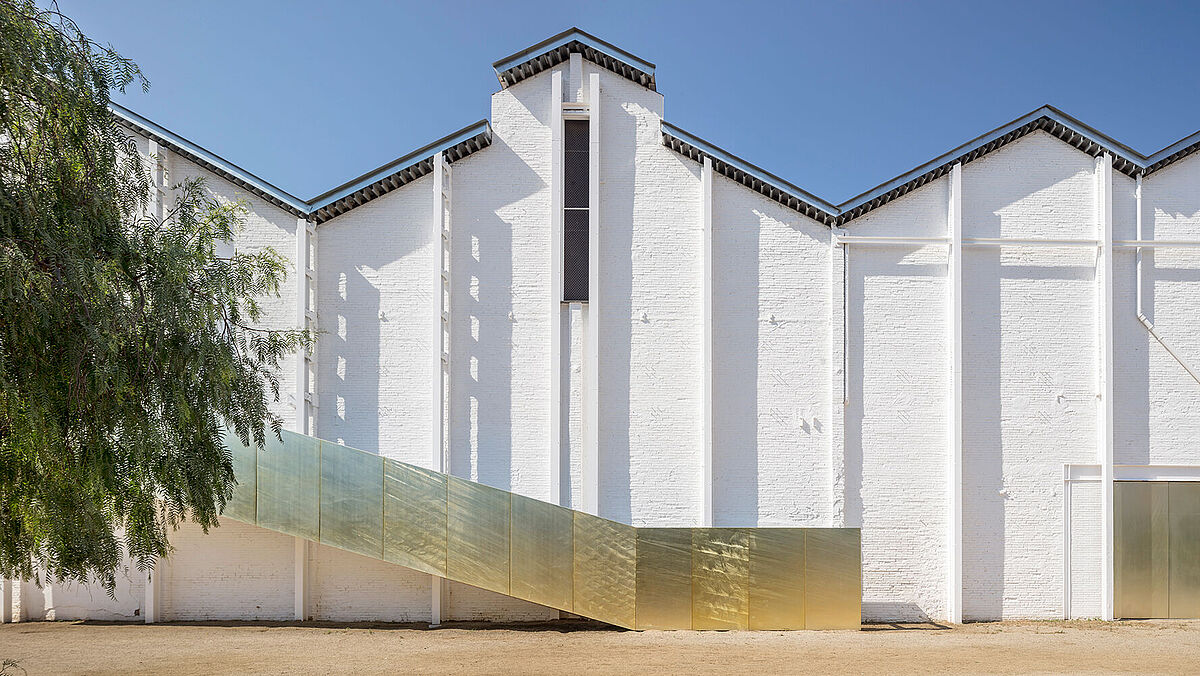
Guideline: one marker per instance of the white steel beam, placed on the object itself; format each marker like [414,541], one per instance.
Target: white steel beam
[1104,303]
[955,479]
[591,442]
[556,291]
[300,580]
[708,280]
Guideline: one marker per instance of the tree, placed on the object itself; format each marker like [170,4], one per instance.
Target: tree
[127,344]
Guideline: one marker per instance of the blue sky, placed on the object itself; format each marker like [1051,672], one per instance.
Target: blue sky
[833,96]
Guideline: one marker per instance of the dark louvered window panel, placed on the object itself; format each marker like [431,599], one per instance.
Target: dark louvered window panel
[575,210]
[575,255]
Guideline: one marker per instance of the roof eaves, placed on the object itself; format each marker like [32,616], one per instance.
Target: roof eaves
[210,161]
[1046,118]
[557,49]
[406,169]
[749,175]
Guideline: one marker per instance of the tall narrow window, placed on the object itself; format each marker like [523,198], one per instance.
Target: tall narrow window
[575,211]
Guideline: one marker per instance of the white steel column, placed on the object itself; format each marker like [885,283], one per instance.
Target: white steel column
[591,398]
[6,600]
[153,600]
[300,583]
[556,290]
[708,277]
[306,318]
[1104,302]
[839,293]
[955,479]
[441,244]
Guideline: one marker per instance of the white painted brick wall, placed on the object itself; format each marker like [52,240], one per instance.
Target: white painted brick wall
[236,572]
[1030,341]
[1085,549]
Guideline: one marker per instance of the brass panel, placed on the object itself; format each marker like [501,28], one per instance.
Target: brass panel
[720,578]
[1185,549]
[1140,549]
[777,578]
[242,505]
[352,500]
[289,481]
[414,517]
[542,552]
[477,535]
[605,570]
[832,578]
[664,578]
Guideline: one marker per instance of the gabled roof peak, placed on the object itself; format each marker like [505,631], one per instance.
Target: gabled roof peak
[557,49]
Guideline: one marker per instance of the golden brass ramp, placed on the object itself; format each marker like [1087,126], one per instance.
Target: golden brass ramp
[637,578]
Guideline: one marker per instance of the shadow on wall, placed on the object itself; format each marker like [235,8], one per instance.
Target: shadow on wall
[736,327]
[898,611]
[351,346]
[616,311]
[481,433]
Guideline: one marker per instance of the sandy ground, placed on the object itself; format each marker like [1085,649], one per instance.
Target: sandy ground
[1006,647]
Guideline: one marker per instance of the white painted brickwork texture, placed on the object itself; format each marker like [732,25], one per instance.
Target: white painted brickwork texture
[1030,382]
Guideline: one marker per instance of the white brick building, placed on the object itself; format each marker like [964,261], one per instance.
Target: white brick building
[953,361]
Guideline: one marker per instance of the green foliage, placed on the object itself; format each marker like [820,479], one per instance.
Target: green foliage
[127,342]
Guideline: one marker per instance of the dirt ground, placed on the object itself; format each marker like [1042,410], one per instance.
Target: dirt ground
[271,648]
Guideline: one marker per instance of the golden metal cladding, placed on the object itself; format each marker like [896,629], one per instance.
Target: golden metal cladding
[243,504]
[664,578]
[605,570]
[721,578]
[832,578]
[414,517]
[289,486]
[477,535]
[1140,549]
[648,578]
[1184,581]
[777,578]
[543,562]
[352,500]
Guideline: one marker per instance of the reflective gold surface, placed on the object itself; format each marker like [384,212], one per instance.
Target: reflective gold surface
[352,500]
[720,578]
[1140,549]
[605,570]
[664,578]
[414,517]
[777,578]
[832,578]
[649,578]
[542,552]
[242,505]
[1184,528]
[289,483]
[477,535]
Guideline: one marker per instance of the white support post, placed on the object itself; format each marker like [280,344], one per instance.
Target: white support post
[305,319]
[1104,298]
[591,442]
[839,293]
[955,462]
[6,600]
[300,581]
[709,276]
[442,253]
[152,604]
[556,289]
